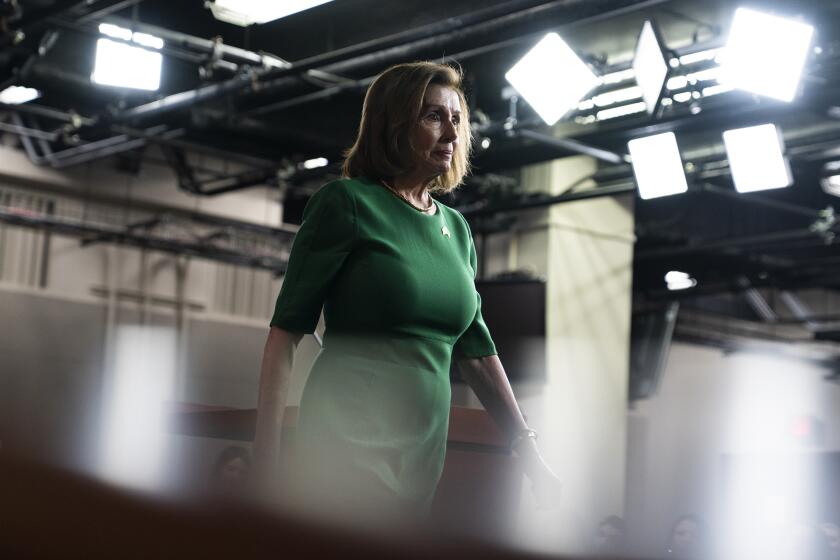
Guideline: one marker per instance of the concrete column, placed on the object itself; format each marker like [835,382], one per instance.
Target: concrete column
[584,249]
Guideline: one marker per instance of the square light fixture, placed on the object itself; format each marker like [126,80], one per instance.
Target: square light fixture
[249,12]
[765,54]
[756,158]
[122,65]
[551,78]
[657,165]
[650,65]
[15,95]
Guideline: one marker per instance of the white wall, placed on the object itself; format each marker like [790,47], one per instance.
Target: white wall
[59,337]
[710,404]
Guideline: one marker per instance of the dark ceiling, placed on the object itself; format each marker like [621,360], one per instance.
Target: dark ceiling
[272,119]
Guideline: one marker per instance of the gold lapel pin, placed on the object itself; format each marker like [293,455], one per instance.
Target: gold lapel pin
[445,231]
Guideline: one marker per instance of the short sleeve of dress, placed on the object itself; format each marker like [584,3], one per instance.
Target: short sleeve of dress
[476,341]
[326,237]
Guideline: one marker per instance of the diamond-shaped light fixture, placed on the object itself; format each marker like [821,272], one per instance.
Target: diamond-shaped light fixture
[551,78]
[650,66]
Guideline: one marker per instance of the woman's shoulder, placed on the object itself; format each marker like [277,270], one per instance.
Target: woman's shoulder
[352,187]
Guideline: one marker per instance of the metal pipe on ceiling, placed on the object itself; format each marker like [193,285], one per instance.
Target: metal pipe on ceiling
[165,50]
[208,46]
[38,17]
[21,130]
[437,28]
[195,147]
[459,56]
[86,152]
[309,97]
[124,236]
[277,79]
[725,243]
[569,144]
[107,10]
[541,202]
[101,197]
[50,113]
[75,120]
[345,54]
[762,200]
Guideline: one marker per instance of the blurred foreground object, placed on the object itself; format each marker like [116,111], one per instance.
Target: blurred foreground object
[52,513]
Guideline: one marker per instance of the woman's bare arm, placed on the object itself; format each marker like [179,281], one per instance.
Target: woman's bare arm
[486,376]
[275,377]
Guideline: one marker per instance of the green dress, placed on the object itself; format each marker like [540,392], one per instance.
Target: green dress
[397,287]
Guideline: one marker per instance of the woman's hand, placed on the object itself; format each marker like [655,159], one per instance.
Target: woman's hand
[545,484]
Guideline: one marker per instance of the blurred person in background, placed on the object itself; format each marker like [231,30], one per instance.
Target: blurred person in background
[688,539]
[611,536]
[229,476]
[831,533]
[809,541]
[394,271]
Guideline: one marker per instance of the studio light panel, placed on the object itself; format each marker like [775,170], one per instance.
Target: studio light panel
[650,66]
[657,165]
[765,54]
[551,78]
[756,158]
[249,12]
[122,65]
[130,61]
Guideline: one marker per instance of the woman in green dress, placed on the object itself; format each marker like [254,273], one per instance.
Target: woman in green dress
[394,271]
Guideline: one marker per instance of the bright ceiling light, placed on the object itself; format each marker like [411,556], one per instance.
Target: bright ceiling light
[616,96]
[121,65]
[315,163]
[618,77]
[756,158]
[831,184]
[620,111]
[650,66]
[249,12]
[147,40]
[115,31]
[830,181]
[765,54]
[657,165]
[698,56]
[15,95]
[551,78]
[677,280]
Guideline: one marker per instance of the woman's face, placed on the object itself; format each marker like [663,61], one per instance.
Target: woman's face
[436,135]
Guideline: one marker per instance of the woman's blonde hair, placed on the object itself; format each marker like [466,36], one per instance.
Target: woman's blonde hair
[391,110]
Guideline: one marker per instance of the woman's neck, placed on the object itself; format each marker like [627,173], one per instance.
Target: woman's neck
[413,187]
